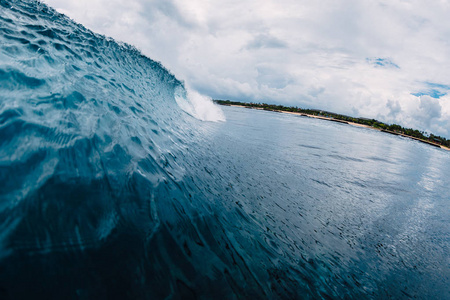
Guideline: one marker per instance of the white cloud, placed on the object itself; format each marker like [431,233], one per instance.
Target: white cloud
[352,57]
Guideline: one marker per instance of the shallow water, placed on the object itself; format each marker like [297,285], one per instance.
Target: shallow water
[109,190]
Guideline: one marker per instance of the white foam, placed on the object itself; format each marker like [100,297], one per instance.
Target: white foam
[198,105]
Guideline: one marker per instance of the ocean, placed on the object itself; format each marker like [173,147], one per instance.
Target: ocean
[116,184]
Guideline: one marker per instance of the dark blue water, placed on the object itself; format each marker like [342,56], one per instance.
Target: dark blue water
[108,190]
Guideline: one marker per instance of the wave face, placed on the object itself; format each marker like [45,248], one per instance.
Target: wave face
[94,199]
[112,188]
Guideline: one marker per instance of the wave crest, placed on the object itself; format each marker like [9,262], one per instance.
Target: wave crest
[198,105]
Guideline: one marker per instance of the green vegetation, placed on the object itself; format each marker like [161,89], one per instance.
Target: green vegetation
[392,128]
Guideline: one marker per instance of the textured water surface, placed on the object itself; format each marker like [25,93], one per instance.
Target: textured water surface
[108,190]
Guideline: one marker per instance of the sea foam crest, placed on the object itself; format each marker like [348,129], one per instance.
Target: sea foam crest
[198,105]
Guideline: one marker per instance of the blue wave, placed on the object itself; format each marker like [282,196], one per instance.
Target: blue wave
[100,194]
[90,135]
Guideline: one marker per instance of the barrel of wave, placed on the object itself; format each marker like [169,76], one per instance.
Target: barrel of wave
[197,105]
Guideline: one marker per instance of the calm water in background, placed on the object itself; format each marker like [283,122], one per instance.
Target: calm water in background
[359,206]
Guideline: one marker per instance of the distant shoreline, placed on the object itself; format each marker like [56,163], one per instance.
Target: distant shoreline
[327,118]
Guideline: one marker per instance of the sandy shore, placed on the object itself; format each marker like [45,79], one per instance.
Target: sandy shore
[346,122]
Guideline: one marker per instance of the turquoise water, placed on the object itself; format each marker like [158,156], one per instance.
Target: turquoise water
[109,190]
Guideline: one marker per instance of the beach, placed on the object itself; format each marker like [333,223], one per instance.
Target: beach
[345,122]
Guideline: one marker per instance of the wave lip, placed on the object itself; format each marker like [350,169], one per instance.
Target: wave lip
[198,105]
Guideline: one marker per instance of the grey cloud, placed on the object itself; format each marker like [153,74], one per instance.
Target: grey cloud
[266,41]
[273,77]
[393,107]
[430,107]
[316,91]
[170,10]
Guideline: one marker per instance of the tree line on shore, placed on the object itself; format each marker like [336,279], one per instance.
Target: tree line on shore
[390,128]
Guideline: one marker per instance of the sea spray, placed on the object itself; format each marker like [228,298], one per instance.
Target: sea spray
[198,105]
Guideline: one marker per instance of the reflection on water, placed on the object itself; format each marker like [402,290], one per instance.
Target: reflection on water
[363,204]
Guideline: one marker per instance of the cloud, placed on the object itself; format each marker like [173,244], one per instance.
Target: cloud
[394,108]
[265,41]
[429,108]
[377,59]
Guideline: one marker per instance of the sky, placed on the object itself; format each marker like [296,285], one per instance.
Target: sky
[388,60]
